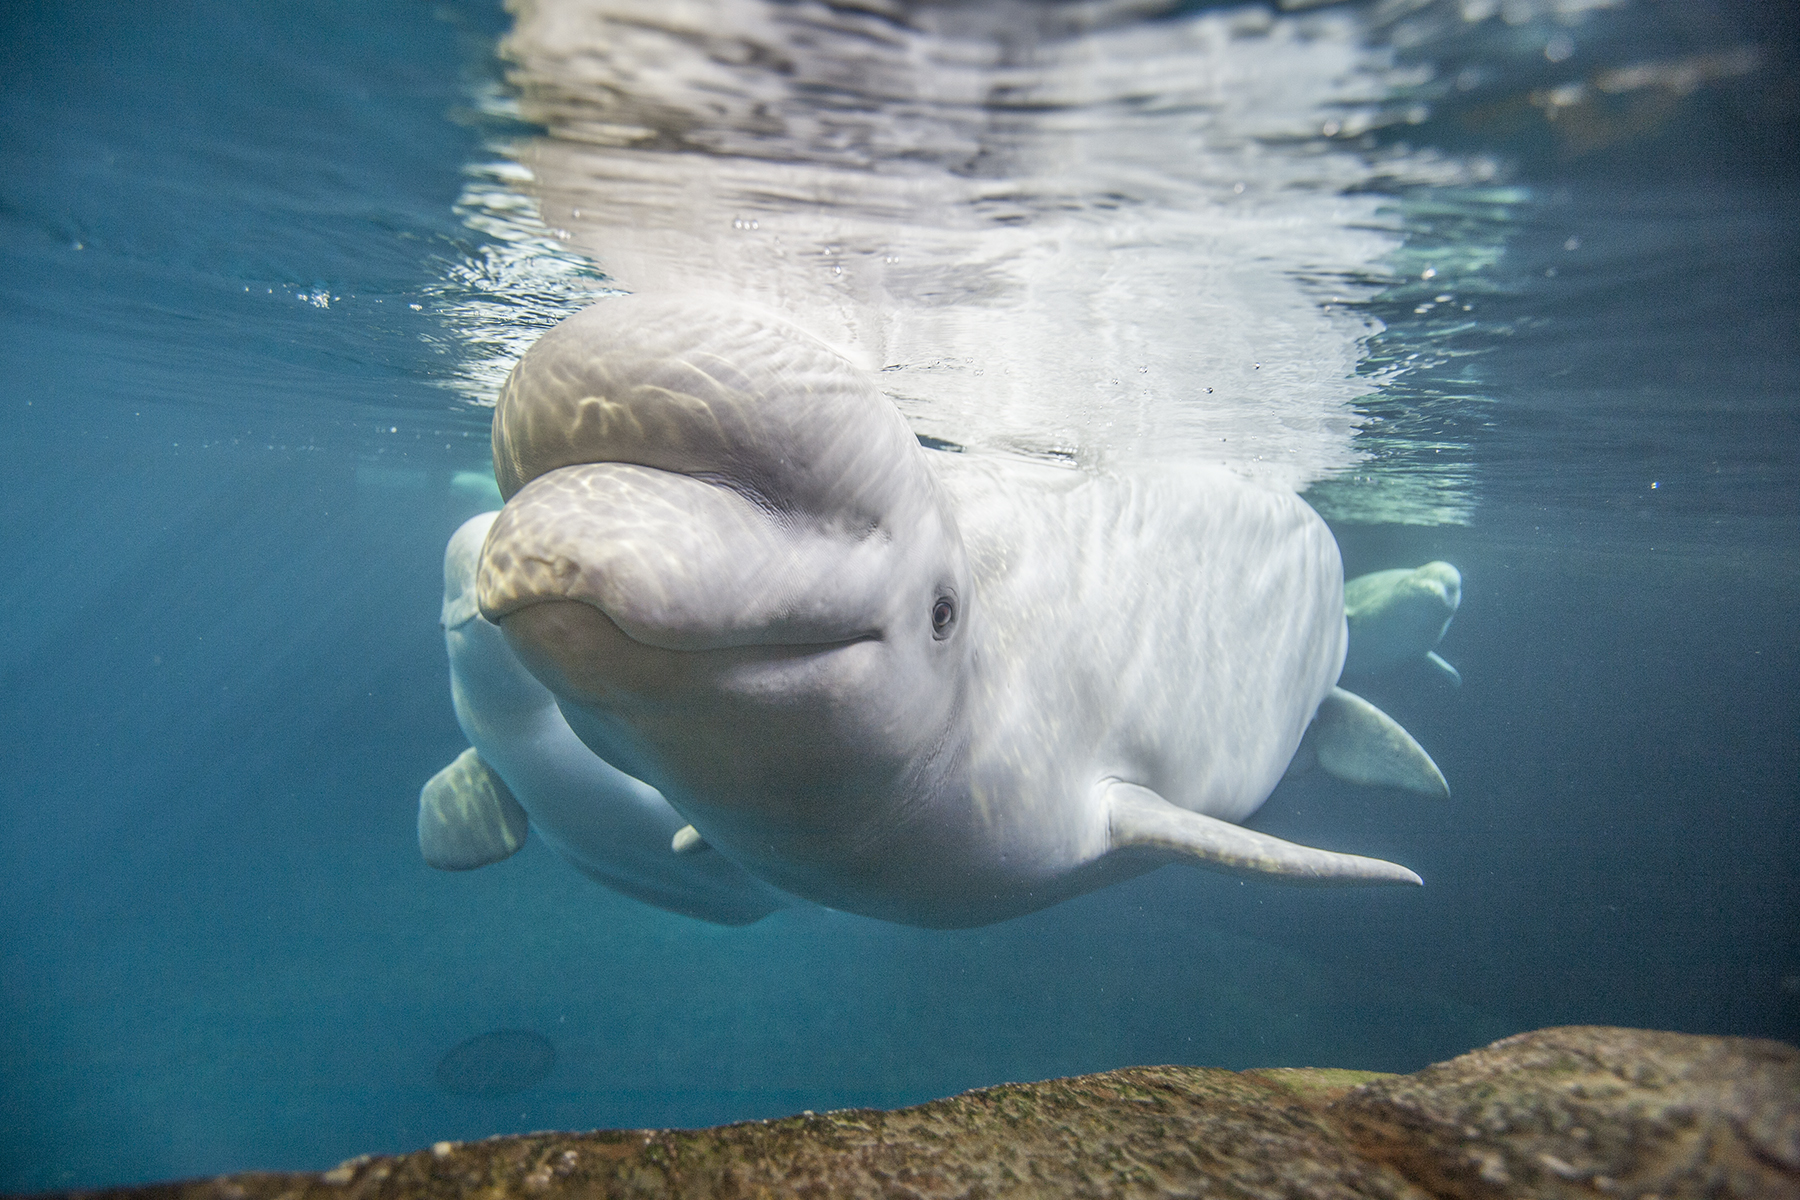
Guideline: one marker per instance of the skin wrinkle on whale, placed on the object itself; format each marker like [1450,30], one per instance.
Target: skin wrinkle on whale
[1087,715]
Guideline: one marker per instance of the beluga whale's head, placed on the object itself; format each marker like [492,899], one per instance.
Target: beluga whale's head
[725,554]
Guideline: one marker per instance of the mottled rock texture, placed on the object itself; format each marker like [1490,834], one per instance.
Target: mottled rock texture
[1587,1112]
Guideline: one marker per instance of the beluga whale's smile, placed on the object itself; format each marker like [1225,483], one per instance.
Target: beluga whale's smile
[929,687]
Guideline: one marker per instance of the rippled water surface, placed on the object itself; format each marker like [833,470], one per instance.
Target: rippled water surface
[1509,284]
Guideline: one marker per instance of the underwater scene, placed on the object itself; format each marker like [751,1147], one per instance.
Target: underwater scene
[1507,291]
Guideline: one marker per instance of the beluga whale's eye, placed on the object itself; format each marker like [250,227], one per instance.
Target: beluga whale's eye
[943,615]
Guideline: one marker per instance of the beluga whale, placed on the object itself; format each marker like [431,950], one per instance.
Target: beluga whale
[936,688]
[1399,616]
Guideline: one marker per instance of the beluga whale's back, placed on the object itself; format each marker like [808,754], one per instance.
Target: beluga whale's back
[929,687]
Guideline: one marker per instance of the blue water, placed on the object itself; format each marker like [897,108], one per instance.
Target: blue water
[234,365]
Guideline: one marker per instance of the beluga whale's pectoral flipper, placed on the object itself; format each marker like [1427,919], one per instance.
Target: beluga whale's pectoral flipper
[468,817]
[1354,741]
[1139,819]
[1437,660]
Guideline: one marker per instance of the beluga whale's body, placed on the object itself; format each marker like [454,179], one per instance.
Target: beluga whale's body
[928,687]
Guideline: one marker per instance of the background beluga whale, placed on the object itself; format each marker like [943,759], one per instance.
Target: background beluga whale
[932,688]
[1398,616]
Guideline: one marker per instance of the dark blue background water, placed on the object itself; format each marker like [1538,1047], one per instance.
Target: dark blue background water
[223,680]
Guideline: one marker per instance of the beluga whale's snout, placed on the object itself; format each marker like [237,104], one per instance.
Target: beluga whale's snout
[943,689]
[704,484]
[681,563]
[525,768]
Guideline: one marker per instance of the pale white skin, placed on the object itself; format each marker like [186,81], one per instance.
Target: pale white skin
[922,686]
[614,828]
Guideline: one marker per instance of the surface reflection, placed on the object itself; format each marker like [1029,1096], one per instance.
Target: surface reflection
[1091,233]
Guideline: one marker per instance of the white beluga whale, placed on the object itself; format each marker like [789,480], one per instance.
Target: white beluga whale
[525,764]
[929,687]
[1399,616]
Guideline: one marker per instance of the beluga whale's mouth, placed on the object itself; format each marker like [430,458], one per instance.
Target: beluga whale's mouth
[678,563]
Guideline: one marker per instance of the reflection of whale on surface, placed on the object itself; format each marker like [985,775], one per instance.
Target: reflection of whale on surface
[1398,616]
[928,687]
[613,827]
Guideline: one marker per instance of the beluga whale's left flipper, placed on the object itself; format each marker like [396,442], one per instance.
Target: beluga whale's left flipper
[1139,819]
[1352,740]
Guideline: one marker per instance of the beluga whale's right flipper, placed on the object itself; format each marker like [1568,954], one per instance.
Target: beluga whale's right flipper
[1139,819]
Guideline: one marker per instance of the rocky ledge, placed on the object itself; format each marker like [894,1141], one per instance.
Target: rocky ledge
[1574,1112]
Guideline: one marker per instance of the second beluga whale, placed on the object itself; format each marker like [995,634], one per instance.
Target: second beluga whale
[928,687]
[1399,616]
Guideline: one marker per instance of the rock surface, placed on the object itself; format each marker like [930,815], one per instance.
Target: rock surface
[1590,1112]
[1581,1111]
